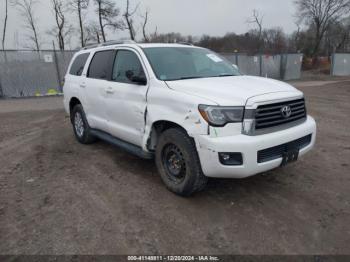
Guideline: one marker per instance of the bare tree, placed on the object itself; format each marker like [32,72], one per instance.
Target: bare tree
[257,19]
[79,6]
[62,29]
[275,41]
[144,25]
[5,25]
[167,38]
[129,20]
[26,8]
[93,33]
[296,37]
[320,14]
[337,36]
[108,16]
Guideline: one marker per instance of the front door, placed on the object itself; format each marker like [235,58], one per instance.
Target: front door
[126,99]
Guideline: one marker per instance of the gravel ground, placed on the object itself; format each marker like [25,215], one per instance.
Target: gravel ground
[60,197]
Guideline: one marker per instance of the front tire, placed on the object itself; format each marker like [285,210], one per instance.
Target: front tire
[178,163]
[81,126]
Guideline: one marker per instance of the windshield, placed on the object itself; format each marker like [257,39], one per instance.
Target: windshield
[176,63]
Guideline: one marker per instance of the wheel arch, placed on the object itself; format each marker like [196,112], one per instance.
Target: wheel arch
[158,127]
[72,103]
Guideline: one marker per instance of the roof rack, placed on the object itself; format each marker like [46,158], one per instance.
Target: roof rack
[108,43]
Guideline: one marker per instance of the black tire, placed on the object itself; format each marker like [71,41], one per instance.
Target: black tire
[82,135]
[178,163]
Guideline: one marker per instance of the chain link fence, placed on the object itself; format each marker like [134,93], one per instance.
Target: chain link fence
[31,73]
[340,65]
[284,67]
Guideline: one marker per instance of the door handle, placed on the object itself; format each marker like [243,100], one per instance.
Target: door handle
[82,85]
[110,90]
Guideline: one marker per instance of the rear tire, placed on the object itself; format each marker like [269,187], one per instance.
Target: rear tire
[178,163]
[81,126]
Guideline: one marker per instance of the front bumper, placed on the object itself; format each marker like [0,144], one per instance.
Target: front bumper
[208,149]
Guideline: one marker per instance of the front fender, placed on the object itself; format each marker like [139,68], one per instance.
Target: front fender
[176,107]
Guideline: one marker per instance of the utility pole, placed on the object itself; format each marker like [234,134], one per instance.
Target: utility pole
[58,73]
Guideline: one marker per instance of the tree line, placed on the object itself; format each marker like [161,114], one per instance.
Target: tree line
[322,27]
[326,30]
[109,18]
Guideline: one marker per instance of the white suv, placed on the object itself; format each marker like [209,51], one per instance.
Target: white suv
[188,108]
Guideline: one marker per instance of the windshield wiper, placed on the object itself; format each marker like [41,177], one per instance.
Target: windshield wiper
[190,77]
[184,78]
[224,75]
[196,77]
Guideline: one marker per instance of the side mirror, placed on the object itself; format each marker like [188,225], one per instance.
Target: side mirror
[129,74]
[140,80]
[235,66]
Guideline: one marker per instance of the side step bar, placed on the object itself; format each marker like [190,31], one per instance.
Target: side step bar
[130,148]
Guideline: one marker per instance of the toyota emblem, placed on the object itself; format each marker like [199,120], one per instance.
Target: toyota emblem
[286,111]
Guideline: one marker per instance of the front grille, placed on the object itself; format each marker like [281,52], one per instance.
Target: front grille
[277,151]
[268,116]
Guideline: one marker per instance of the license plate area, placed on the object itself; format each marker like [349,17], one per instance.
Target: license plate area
[290,156]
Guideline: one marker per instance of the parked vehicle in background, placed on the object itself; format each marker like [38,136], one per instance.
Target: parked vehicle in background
[188,108]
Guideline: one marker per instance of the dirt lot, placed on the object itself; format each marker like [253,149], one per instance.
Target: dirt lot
[60,197]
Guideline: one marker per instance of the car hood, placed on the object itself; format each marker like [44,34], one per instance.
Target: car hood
[235,90]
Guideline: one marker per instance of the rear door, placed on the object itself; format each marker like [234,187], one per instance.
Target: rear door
[126,100]
[95,84]
[73,79]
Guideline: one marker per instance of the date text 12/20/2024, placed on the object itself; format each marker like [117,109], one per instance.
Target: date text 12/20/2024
[173,258]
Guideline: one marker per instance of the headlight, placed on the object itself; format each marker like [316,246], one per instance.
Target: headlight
[219,116]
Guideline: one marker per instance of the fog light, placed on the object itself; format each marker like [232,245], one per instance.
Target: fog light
[231,159]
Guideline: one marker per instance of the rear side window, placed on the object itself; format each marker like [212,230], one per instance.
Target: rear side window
[101,65]
[79,64]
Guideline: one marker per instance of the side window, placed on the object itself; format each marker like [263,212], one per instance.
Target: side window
[100,65]
[126,66]
[79,64]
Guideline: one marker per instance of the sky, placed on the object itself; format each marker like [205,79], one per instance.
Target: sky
[188,17]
